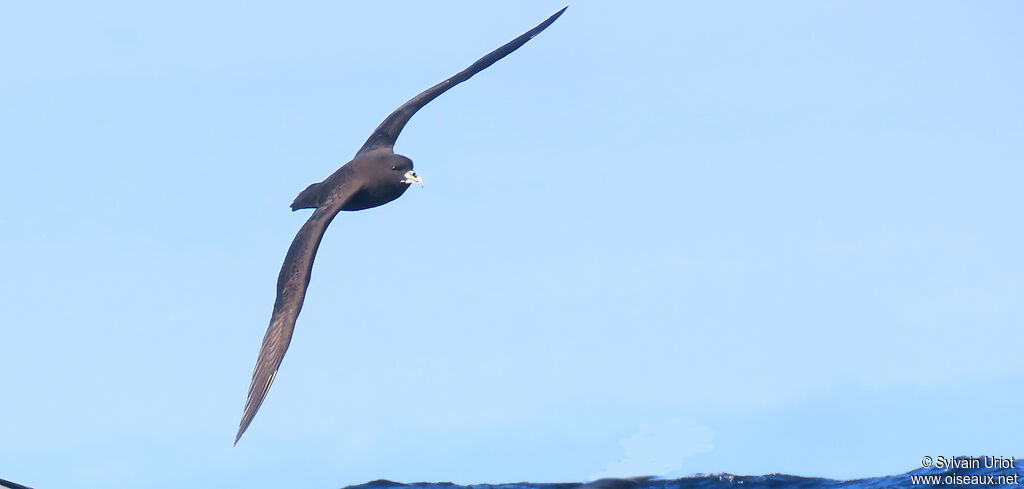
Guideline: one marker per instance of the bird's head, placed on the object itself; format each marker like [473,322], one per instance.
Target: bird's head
[402,168]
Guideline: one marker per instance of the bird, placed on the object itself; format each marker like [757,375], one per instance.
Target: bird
[374,177]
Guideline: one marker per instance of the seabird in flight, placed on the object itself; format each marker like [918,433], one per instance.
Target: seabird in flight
[375,176]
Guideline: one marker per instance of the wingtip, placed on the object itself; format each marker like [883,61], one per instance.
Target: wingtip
[544,25]
[244,425]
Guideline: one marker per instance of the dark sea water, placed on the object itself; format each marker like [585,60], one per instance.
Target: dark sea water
[960,477]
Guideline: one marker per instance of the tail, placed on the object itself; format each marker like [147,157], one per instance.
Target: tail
[310,198]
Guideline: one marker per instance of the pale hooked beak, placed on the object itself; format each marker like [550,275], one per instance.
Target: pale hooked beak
[410,177]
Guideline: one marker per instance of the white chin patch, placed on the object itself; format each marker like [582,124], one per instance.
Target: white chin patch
[410,178]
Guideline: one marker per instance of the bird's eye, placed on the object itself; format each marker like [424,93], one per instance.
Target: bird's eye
[393,168]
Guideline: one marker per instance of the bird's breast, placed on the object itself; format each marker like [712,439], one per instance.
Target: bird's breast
[375,196]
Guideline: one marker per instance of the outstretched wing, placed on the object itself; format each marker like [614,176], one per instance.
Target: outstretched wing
[291,291]
[12,485]
[387,132]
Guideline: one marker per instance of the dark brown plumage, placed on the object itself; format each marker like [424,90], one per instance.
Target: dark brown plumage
[375,176]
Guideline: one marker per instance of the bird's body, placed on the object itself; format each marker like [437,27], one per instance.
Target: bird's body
[369,180]
[374,177]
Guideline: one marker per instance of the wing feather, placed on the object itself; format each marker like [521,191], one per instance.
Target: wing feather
[291,291]
[387,132]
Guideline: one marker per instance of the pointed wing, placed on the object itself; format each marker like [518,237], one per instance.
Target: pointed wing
[12,485]
[291,291]
[387,132]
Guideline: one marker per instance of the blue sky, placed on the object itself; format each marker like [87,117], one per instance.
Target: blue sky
[661,238]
